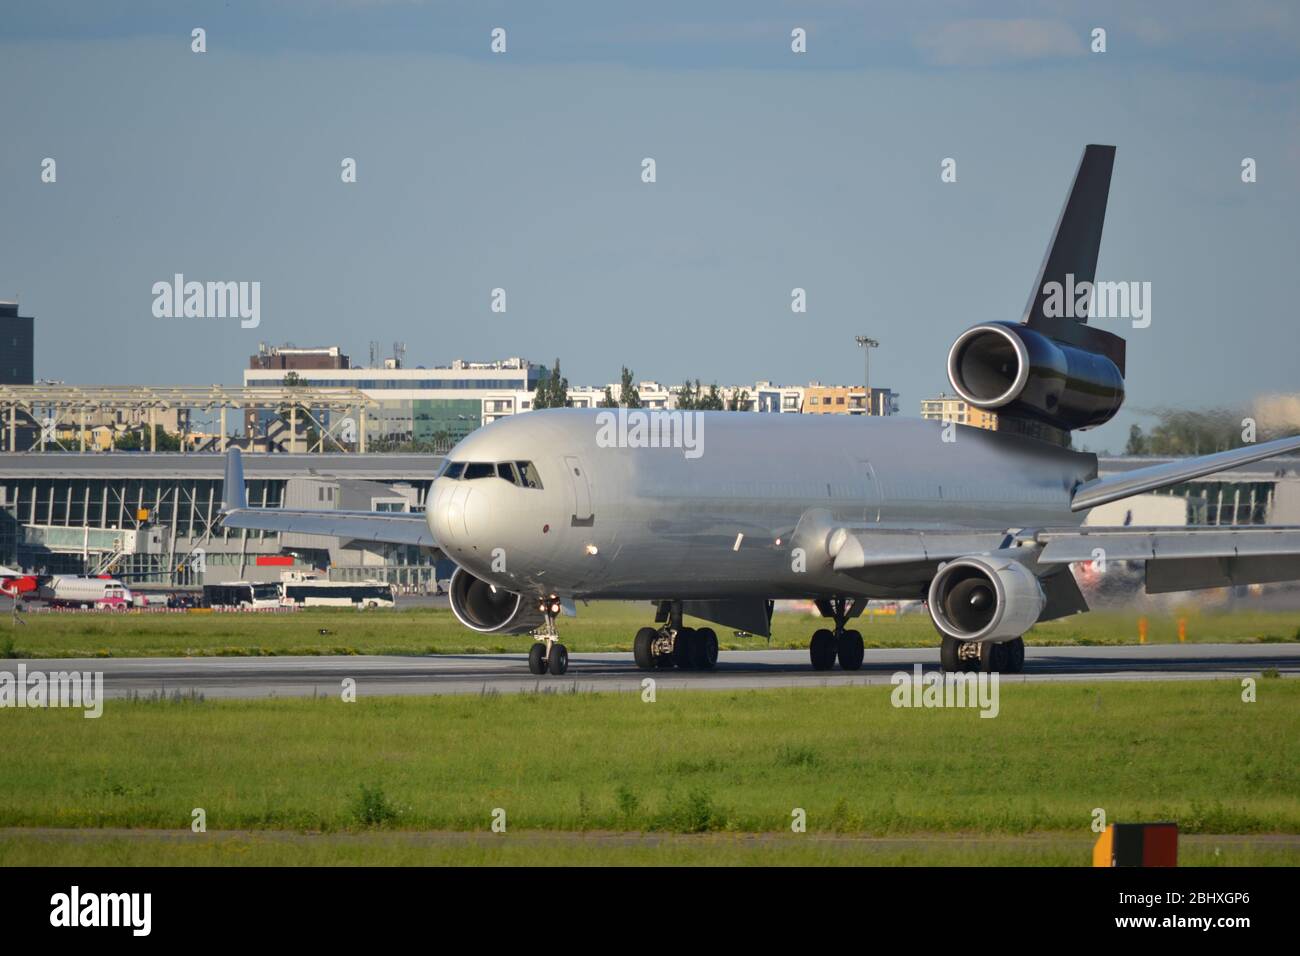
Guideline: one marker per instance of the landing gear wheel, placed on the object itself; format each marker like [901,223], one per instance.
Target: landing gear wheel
[1005,658]
[822,650]
[558,662]
[957,656]
[1015,656]
[948,662]
[851,650]
[643,648]
[706,649]
[991,656]
[537,659]
[684,649]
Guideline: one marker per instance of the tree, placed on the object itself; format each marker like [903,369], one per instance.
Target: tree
[552,388]
[559,388]
[739,402]
[712,402]
[1187,432]
[542,397]
[608,400]
[138,440]
[629,395]
[688,396]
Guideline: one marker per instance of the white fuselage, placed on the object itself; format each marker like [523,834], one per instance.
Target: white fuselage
[731,510]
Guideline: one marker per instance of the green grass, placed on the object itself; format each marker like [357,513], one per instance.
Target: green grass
[598,627]
[278,848]
[725,762]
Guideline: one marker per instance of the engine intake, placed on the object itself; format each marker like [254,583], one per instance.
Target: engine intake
[985,598]
[488,609]
[1014,368]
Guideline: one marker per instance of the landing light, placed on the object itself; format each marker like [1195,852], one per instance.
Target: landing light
[592,549]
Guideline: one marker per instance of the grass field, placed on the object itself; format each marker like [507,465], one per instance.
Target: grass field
[387,770]
[598,627]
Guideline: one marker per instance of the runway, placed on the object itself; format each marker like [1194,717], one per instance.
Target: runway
[250,677]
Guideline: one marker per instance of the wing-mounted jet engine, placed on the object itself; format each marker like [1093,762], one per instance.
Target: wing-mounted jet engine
[488,609]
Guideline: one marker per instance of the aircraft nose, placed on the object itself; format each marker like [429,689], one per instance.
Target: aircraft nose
[460,512]
[448,512]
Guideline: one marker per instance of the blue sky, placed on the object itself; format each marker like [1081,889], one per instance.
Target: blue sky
[522,171]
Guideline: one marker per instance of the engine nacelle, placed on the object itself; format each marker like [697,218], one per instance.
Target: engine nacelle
[488,609]
[989,597]
[1014,368]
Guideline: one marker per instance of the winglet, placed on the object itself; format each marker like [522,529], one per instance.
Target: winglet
[233,493]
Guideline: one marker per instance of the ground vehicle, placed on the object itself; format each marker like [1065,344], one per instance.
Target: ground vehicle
[304,591]
[242,594]
[67,590]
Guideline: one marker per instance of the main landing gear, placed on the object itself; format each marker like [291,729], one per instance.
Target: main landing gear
[1007,657]
[548,655]
[846,645]
[672,645]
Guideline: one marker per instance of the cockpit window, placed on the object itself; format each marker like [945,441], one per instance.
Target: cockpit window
[521,473]
[528,474]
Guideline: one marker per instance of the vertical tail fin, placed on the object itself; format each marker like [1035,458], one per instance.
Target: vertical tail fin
[1077,237]
[233,493]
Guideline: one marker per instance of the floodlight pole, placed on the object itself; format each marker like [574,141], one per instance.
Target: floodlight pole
[867,344]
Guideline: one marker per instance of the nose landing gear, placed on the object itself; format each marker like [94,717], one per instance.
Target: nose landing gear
[548,655]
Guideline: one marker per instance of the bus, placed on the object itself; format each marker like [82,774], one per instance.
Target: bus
[316,592]
[242,594]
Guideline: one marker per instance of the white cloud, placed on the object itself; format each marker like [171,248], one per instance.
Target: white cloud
[994,42]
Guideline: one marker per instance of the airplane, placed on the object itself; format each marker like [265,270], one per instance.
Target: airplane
[66,590]
[15,583]
[715,515]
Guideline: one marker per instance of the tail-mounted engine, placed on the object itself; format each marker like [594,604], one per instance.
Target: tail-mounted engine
[1051,372]
[1021,372]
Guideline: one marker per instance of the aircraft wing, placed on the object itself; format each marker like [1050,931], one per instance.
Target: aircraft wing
[1183,559]
[1099,491]
[1177,559]
[855,549]
[391,527]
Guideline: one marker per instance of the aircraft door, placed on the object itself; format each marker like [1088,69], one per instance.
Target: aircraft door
[872,499]
[583,516]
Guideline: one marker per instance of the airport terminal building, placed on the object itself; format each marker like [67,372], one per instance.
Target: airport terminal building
[152,518]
